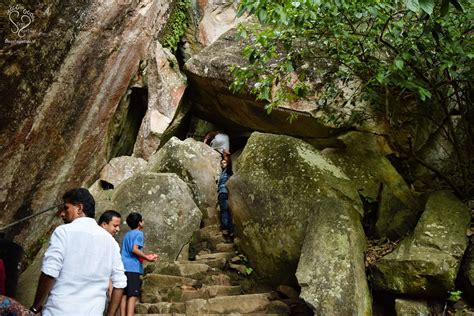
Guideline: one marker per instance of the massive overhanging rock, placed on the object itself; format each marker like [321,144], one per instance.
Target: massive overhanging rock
[208,73]
[167,207]
[284,195]
[62,90]
[209,77]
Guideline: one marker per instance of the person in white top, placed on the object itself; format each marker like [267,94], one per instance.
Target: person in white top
[79,262]
[218,141]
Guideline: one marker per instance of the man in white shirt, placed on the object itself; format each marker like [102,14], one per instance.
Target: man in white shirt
[79,262]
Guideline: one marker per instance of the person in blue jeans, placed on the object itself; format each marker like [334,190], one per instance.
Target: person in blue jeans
[223,194]
[133,257]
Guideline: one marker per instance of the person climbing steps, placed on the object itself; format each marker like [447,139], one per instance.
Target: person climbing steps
[222,198]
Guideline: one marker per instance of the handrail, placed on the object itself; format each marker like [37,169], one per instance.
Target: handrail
[30,216]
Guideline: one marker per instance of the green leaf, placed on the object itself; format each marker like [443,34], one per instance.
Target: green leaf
[427,6]
[413,5]
[262,16]
[265,93]
[268,107]
[424,94]
[399,64]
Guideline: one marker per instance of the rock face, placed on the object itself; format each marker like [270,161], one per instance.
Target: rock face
[63,92]
[166,204]
[207,21]
[427,263]
[196,164]
[166,86]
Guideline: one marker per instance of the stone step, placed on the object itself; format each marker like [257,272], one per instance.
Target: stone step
[215,255]
[188,269]
[227,305]
[213,314]
[225,247]
[165,288]
[211,235]
[239,268]
[160,308]
[210,292]
[217,279]
[217,263]
[168,314]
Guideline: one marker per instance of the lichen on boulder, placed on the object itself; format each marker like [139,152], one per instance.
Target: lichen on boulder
[427,262]
[286,194]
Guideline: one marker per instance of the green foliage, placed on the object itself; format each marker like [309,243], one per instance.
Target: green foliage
[248,270]
[176,26]
[454,296]
[418,50]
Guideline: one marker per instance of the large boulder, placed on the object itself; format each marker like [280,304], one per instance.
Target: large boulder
[166,204]
[412,307]
[120,169]
[209,76]
[427,262]
[63,83]
[165,86]
[384,191]
[280,183]
[331,269]
[195,163]
[115,172]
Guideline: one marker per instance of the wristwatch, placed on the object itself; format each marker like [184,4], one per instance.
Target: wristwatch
[36,310]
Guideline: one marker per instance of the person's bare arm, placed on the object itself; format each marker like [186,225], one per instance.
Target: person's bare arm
[114,301]
[148,257]
[45,284]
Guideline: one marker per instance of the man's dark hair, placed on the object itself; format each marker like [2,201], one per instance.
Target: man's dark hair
[133,219]
[107,216]
[81,196]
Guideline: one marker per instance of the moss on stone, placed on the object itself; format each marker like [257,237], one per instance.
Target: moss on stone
[176,26]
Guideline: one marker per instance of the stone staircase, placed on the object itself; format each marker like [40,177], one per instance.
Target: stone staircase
[215,282]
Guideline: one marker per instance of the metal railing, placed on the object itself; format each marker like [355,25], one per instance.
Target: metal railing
[30,216]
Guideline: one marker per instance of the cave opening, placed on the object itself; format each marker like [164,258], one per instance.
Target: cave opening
[126,123]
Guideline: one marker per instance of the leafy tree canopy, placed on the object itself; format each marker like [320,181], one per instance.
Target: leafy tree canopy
[418,49]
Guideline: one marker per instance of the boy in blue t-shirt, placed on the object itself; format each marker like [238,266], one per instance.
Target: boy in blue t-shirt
[132,257]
